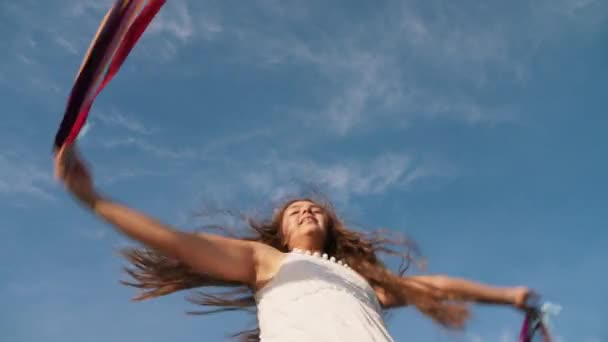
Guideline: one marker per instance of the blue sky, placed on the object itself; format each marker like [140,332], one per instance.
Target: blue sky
[477,128]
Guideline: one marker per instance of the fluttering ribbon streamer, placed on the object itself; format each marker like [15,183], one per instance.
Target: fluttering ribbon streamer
[536,323]
[119,31]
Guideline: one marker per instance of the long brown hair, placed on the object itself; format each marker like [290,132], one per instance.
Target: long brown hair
[157,275]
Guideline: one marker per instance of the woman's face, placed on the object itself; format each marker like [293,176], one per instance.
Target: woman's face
[304,220]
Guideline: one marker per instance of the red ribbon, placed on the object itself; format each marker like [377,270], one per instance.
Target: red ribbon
[121,20]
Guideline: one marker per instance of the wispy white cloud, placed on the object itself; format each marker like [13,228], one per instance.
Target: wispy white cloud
[367,80]
[85,7]
[212,150]
[503,335]
[116,118]
[38,35]
[403,63]
[70,47]
[507,336]
[96,234]
[584,12]
[20,176]
[156,150]
[222,143]
[173,28]
[475,337]
[23,73]
[366,74]
[115,174]
[275,177]
[175,20]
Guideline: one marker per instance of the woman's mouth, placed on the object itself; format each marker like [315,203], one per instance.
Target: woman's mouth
[308,219]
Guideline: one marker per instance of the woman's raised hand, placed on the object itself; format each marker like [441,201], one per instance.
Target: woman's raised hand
[72,171]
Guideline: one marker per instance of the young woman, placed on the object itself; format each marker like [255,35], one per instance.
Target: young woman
[308,276]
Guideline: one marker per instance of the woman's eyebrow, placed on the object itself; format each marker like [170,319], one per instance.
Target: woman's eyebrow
[292,209]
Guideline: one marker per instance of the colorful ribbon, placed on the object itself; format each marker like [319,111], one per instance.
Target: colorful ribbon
[536,323]
[116,36]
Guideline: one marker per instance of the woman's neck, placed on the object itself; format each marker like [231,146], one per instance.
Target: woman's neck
[303,245]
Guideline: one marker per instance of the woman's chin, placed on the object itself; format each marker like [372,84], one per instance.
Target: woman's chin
[311,229]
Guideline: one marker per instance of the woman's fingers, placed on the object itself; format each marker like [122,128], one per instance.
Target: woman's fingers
[74,174]
[58,164]
[532,299]
[66,161]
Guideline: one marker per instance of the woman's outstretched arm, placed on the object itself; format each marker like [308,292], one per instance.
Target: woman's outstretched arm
[220,257]
[474,291]
[461,289]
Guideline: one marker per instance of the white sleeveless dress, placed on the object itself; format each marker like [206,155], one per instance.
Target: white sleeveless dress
[312,299]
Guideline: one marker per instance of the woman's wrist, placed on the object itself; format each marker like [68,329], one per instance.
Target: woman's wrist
[90,200]
[518,296]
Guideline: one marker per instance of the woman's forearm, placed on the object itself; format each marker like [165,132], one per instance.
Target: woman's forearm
[136,225]
[471,291]
[190,249]
[479,292]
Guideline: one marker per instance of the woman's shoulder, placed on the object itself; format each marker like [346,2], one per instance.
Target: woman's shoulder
[268,262]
